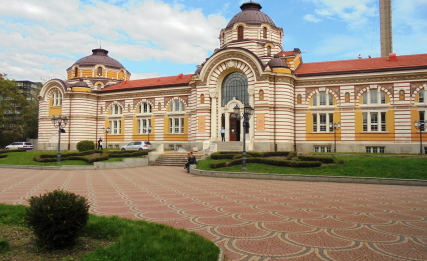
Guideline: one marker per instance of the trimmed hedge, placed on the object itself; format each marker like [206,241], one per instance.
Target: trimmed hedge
[68,154]
[18,150]
[217,155]
[3,156]
[238,154]
[124,154]
[85,145]
[317,158]
[267,161]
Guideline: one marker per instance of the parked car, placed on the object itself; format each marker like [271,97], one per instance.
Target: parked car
[138,145]
[20,145]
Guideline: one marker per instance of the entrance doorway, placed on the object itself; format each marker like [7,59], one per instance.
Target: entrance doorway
[234,129]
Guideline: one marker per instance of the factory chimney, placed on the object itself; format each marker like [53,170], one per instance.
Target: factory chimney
[386,28]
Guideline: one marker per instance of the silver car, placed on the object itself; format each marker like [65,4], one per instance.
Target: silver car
[20,145]
[138,145]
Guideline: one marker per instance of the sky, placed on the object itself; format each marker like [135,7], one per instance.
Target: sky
[40,39]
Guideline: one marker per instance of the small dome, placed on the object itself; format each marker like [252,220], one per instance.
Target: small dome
[277,62]
[99,56]
[80,83]
[251,14]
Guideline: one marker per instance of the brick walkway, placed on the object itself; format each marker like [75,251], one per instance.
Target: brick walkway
[251,219]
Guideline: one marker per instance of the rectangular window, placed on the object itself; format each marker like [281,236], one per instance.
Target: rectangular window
[374,121]
[115,127]
[331,99]
[315,100]
[421,96]
[145,108]
[383,121]
[176,106]
[314,122]
[374,99]
[176,125]
[144,126]
[170,126]
[322,148]
[375,149]
[139,126]
[322,122]
[331,120]
[365,121]
[322,98]
[422,119]
[182,125]
[365,98]
[382,97]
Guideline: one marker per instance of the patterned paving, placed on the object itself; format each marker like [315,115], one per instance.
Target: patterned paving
[251,219]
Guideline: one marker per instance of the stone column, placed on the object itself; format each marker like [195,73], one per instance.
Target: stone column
[213,94]
[227,126]
[251,92]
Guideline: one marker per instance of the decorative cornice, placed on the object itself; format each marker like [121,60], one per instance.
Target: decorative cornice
[144,94]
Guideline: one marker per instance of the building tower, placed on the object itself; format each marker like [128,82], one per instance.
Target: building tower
[386,28]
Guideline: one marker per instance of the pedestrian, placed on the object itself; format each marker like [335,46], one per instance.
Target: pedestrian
[190,160]
[222,134]
[100,144]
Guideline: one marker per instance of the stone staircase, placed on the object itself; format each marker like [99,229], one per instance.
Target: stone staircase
[229,146]
[173,158]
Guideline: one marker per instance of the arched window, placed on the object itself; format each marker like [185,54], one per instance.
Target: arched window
[347,97]
[56,98]
[116,109]
[145,108]
[261,95]
[76,72]
[99,86]
[371,97]
[235,85]
[401,95]
[268,50]
[99,71]
[264,32]
[323,99]
[240,33]
[299,99]
[176,106]
[202,98]
[422,95]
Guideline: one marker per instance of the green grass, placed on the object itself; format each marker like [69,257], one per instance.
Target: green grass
[26,158]
[402,168]
[134,240]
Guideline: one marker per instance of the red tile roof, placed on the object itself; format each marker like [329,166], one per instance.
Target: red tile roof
[362,65]
[169,81]
[286,53]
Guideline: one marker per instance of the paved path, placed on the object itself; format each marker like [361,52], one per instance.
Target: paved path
[251,219]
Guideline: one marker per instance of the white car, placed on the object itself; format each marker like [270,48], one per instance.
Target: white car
[138,145]
[20,145]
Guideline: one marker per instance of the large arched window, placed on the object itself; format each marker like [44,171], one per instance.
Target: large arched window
[235,85]
[240,33]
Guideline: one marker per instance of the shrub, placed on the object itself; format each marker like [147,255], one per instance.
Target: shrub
[317,158]
[3,156]
[85,145]
[291,155]
[57,217]
[275,153]
[277,162]
[217,155]
[4,245]
[253,154]
[18,150]
[124,154]
[216,164]
[239,156]
[341,162]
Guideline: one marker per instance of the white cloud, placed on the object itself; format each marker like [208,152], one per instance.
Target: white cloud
[68,29]
[312,18]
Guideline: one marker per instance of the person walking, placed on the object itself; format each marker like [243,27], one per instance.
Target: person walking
[100,144]
[222,134]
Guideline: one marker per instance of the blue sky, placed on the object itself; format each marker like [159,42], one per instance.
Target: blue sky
[40,39]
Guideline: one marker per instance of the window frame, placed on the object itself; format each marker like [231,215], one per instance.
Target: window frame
[145,108]
[240,32]
[56,98]
[176,129]
[368,122]
[141,122]
[318,124]
[172,107]
[323,99]
[424,93]
[380,96]
[115,127]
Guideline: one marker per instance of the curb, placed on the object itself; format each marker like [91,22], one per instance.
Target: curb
[297,177]
[221,253]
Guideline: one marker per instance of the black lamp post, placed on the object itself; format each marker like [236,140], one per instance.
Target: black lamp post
[59,123]
[247,112]
[149,131]
[420,125]
[106,131]
[336,127]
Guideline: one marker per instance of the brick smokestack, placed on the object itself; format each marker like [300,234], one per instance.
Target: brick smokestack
[386,28]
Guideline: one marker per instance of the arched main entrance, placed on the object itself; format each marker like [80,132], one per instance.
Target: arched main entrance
[235,85]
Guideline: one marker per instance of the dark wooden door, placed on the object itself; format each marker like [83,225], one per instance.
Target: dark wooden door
[234,130]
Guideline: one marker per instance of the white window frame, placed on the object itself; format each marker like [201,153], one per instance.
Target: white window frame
[424,92]
[56,98]
[375,149]
[175,128]
[143,122]
[318,125]
[173,106]
[420,118]
[145,108]
[115,127]
[368,97]
[116,110]
[328,99]
[368,123]
[320,148]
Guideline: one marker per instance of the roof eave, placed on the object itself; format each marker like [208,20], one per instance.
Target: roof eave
[362,71]
[145,87]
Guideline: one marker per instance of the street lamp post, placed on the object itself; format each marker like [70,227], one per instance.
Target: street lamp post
[149,131]
[336,127]
[59,123]
[420,125]
[106,131]
[247,112]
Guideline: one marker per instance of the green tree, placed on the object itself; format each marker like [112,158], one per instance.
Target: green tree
[18,116]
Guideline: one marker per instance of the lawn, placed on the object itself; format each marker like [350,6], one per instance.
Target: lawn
[379,167]
[26,158]
[106,238]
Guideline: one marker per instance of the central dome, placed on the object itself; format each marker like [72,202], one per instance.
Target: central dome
[99,56]
[251,14]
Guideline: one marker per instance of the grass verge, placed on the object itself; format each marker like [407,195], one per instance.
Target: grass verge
[133,240]
[401,168]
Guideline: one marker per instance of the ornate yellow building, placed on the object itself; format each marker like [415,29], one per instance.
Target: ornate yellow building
[376,100]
